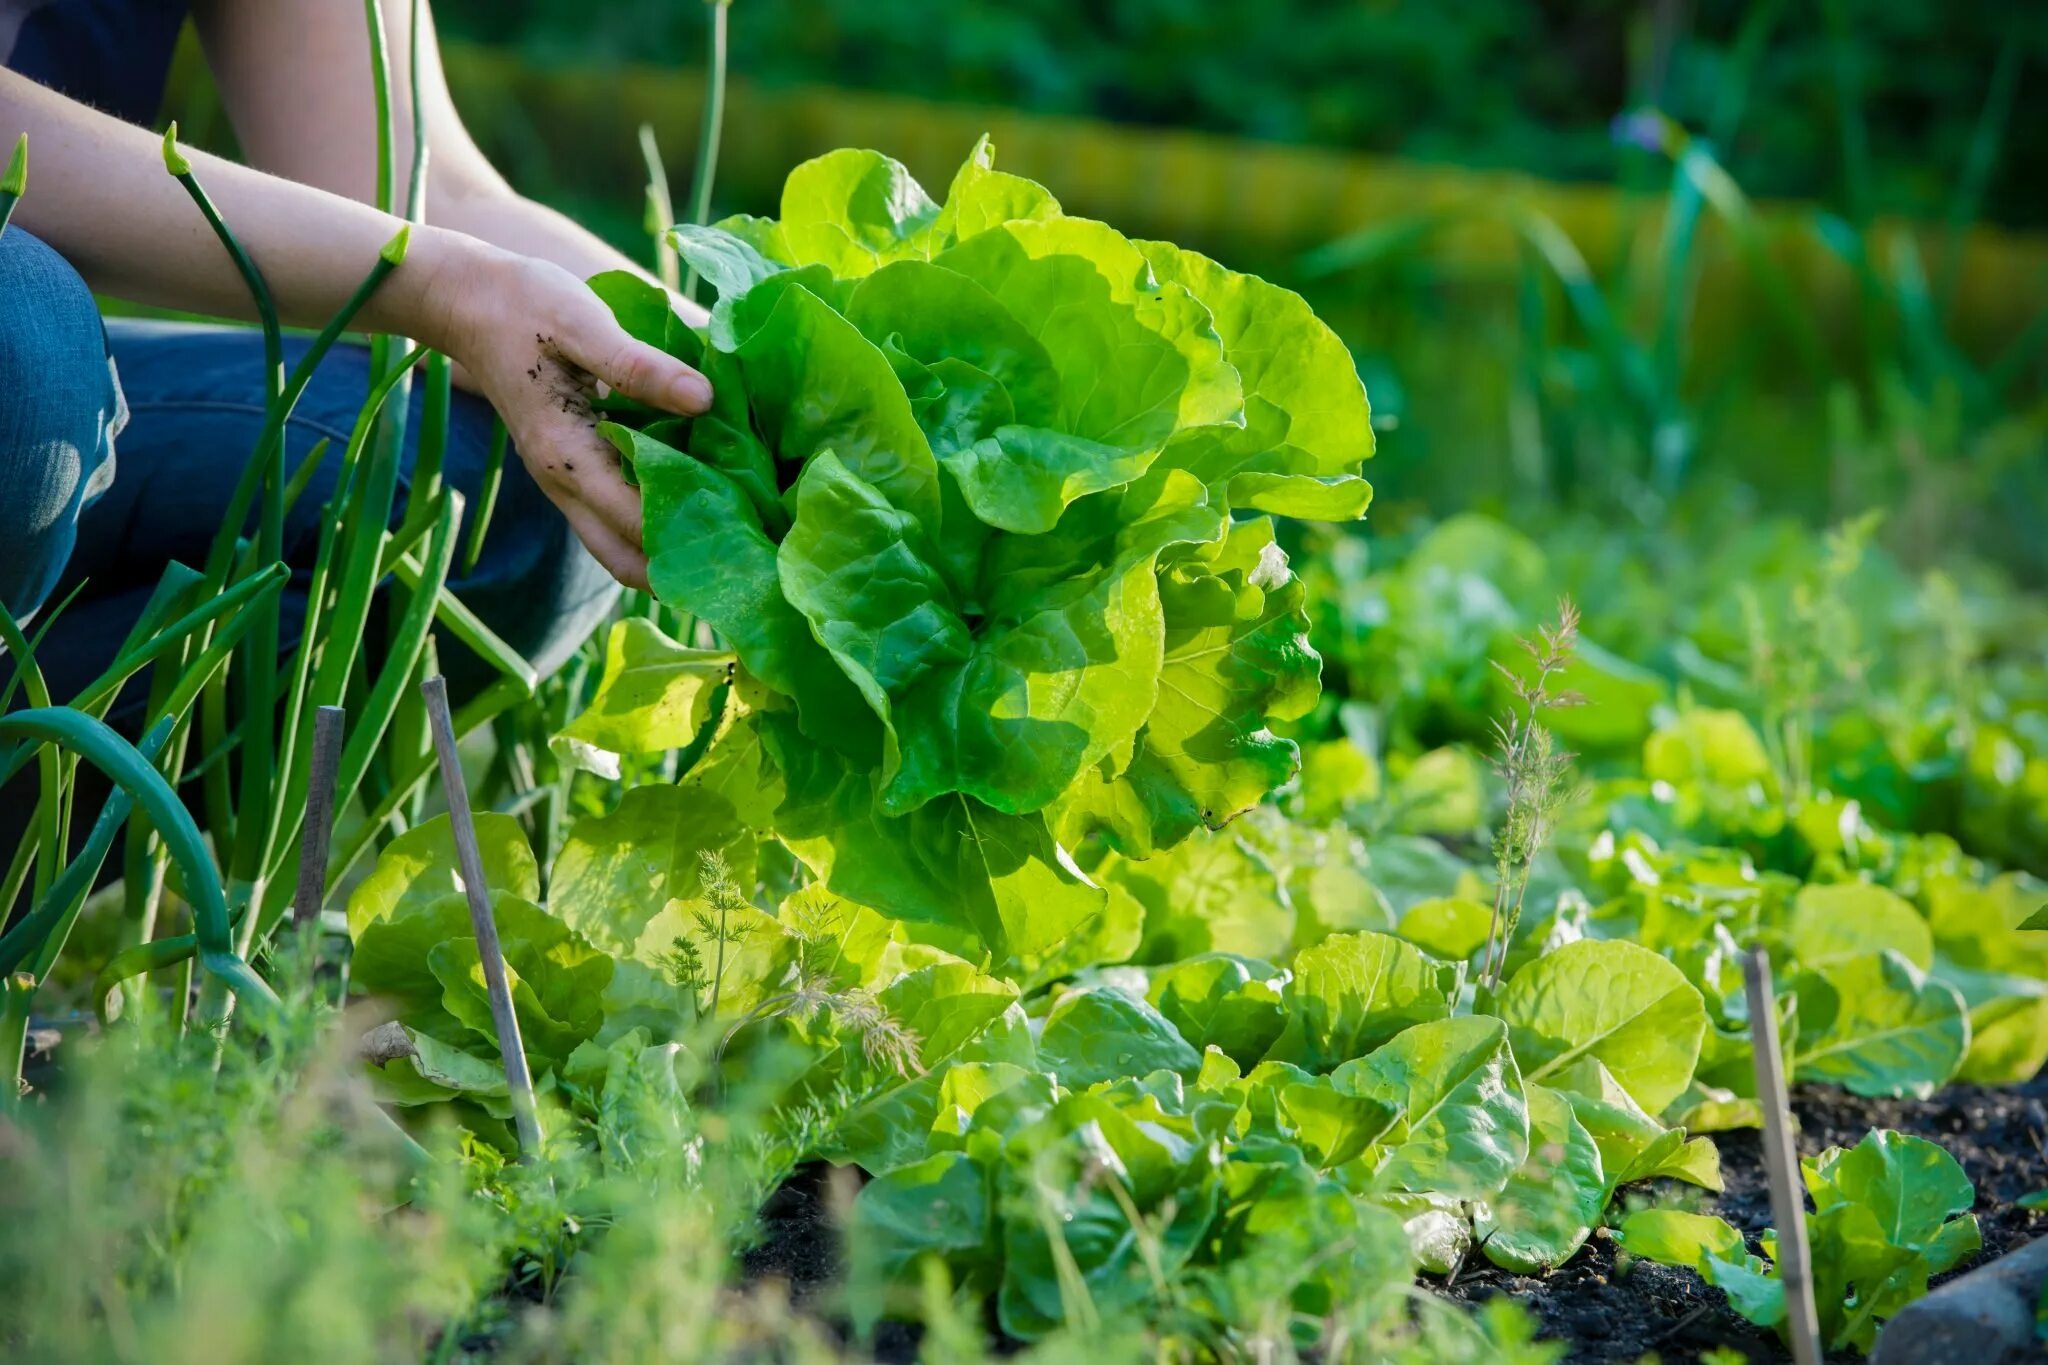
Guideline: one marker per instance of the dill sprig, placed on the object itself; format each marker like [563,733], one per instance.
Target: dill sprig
[1534,770]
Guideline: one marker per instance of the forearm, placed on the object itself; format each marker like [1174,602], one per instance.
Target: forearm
[497,214]
[100,195]
[468,196]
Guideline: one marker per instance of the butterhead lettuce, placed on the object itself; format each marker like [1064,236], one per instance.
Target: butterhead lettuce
[983,511]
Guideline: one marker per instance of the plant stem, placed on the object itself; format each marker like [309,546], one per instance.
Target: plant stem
[710,131]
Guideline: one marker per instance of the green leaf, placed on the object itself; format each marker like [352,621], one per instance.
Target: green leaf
[1051,684]
[1101,1034]
[816,384]
[1285,357]
[1830,923]
[1675,1237]
[1236,661]
[1549,1206]
[418,868]
[437,1072]
[708,554]
[1877,1025]
[1301,496]
[1332,1125]
[647,313]
[1021,479]
[1622,1005]
[1213,893]
[557,991]
[947,1005]
[1633,1145]
[982,197]
[1888,1213]
[853,211]
[729,264]
[1913,1188]
[654,696]
[937,1207]
[952,861]
[616,872]
[1351,994]
[1449,927]
[1752,1291]
[389,959]
[934,314]
[1137,361]
[1145,1148]
[1224,1001]
[1462,1126]
[1717,748]
[852,565]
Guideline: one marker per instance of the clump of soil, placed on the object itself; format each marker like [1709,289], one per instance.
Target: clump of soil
[1999,1135]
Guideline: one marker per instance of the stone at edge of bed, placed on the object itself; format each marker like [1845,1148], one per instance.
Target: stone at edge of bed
[1987,1317]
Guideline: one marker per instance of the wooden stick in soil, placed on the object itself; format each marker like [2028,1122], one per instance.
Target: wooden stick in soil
[328,725]
[1781,1161]
[525,1114]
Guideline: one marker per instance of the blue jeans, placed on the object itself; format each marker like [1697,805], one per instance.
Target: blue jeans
[86,501]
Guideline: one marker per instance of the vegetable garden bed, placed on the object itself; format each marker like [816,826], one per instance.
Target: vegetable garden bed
[1605,1314]
[1199,927]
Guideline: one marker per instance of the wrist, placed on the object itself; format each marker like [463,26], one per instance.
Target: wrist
[434,290]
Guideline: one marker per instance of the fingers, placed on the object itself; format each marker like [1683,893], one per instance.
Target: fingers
[623,561]
[582,473]
[647,373]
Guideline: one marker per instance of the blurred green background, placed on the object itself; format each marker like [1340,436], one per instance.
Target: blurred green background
[1657,261]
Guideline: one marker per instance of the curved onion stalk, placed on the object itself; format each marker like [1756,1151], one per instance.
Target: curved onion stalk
[14,183]
[195,676]
[258,734]
[128,769]
[220,556]
[40,935]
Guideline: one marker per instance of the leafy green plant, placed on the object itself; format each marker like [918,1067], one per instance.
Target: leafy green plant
[1888,1213]
[1042,430]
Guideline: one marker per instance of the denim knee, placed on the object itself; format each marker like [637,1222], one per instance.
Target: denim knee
[59,410]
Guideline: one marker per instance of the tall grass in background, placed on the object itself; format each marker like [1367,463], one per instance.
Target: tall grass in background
[1605,407]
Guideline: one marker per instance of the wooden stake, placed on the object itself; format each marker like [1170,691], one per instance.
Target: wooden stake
[329,723]
[525,1113]
[1781,1160]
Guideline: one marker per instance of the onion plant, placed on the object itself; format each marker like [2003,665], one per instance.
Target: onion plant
[213,638]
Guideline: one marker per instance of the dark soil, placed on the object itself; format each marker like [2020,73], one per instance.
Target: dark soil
[2000,1136]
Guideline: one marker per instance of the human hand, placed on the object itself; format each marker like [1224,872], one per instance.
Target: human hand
[534,341]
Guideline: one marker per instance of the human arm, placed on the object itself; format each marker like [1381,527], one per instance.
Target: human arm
[294,77]
[528,332]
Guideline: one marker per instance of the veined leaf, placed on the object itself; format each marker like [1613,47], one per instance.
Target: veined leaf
[1622,1005]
